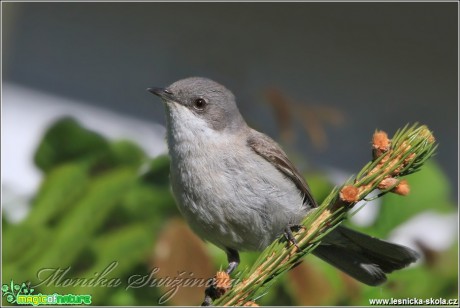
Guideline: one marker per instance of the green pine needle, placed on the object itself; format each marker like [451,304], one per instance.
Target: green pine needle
[410,147]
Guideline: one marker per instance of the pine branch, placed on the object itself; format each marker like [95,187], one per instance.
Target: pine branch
[405,154]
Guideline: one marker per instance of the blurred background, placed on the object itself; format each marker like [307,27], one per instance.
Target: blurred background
[84,171]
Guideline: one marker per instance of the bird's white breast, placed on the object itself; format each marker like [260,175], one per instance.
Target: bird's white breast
[228,194]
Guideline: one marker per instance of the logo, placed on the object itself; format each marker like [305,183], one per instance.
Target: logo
[21,294]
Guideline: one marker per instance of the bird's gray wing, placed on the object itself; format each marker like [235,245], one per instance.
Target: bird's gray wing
[269,150]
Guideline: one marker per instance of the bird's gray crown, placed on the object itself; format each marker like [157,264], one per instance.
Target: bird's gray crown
[208,100]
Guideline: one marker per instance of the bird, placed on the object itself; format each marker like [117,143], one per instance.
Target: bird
[237,188]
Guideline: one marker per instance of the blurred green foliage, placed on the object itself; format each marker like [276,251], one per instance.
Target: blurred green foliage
[104,201]
[99,202]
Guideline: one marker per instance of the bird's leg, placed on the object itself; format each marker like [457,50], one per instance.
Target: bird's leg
[209,294]
[289,236]
[211,291]
[233,260]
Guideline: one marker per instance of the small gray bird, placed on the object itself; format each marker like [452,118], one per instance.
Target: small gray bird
[237,189]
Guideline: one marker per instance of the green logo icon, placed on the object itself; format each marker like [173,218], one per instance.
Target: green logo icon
[21,294]
[12,291]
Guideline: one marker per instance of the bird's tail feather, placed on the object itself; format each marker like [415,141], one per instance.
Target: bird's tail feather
[363,257]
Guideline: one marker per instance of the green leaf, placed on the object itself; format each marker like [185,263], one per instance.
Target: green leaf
[158,171]
[117,253]
[66,140]
[77,227]
[122,297]
[60,189]
[127,153]
[121,153]
[22,243]
[146,202]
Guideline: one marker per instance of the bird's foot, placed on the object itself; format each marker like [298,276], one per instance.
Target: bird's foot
[221,283]
[289,236]
[218,286]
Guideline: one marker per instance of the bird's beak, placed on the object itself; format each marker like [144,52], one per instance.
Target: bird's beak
[161,92]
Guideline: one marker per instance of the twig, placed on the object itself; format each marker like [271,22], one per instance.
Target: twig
[409,148]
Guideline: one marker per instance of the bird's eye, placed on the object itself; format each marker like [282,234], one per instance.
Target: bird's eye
[199,104]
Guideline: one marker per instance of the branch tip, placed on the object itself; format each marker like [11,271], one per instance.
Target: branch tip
[402,188]
[349,194]
[380,143]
